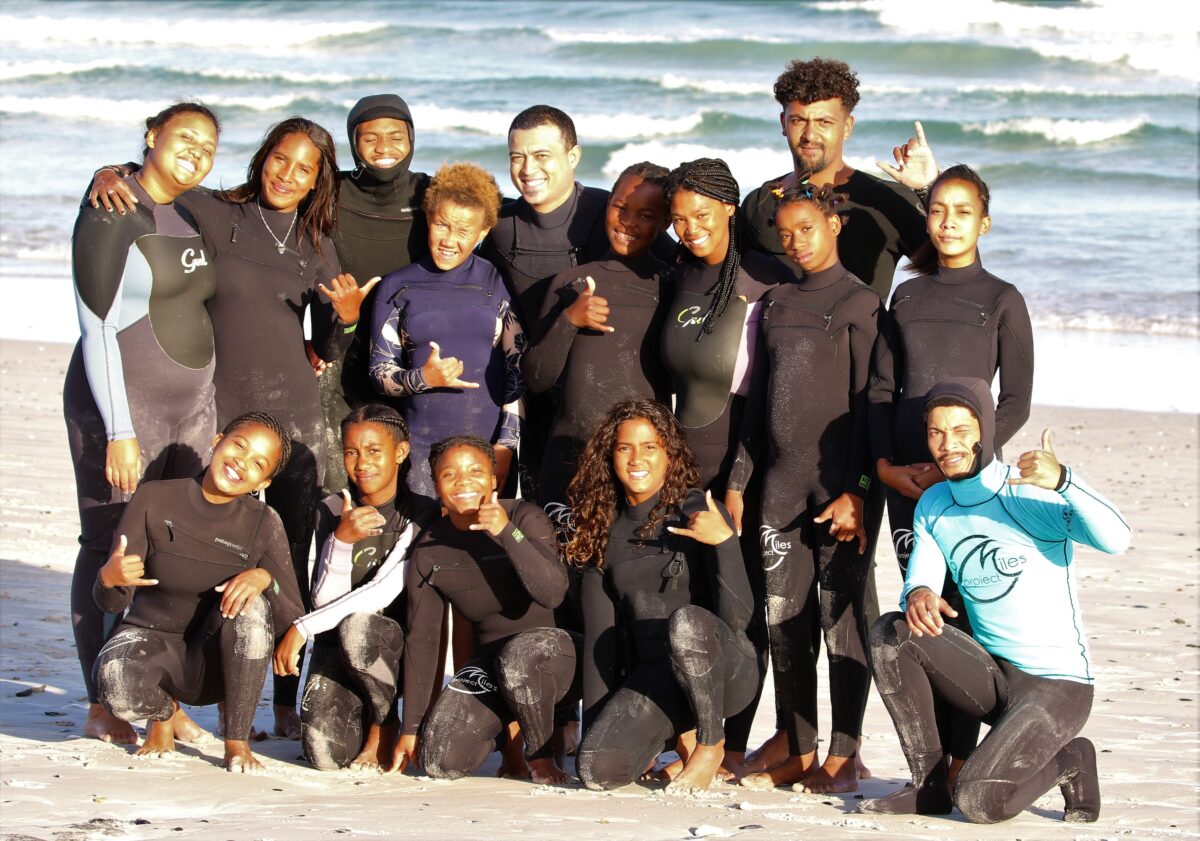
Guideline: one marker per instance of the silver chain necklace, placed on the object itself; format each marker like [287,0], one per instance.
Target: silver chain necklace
[280,244]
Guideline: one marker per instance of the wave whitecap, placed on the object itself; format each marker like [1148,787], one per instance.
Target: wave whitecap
[127,110]
[588,126]
[1072,132]
[673,82]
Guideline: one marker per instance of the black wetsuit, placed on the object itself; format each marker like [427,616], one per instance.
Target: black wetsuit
[143,368]
[809,401]
[173,642]
[665,645]
[357,630]
[522,666]
[955,323]
[380,229]
[592,369]
[882,222]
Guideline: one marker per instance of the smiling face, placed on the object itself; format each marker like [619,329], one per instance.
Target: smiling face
[816,133]
[290,172]
[242,462]
[382,143]
[808,236]
[180,157]
[464,479]
[373,458]
[702,225]
[955,223]
[542,168]
[454,231]
[636,215]
[952,433]
[639,460]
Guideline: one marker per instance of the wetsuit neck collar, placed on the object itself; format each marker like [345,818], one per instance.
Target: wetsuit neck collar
[558,217]
[639,264]
[962,275]
[426,263]
[638,513]
[204,509]
[823,278]
[982,486]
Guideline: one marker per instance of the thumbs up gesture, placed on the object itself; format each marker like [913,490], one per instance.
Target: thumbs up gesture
[491,517]
[123,570]
[357,523]
[706,526]
[589,311]
[444,372]
[1040,467]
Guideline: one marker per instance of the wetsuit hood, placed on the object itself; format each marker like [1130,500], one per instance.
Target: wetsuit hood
[976,394]
[381,182]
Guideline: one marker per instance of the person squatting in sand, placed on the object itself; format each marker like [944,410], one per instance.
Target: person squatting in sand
[666,603]
[808,402]
[496,562]
[204,572]
[1005,535]
[348,709]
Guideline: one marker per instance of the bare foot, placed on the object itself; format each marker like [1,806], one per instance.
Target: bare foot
[239,760]
[774,751]
[860,767]
[664,774]
[376,749]
[733,766]
[791,770]
[160,739]
[546,772]
[103,725]
[699,771]
[835,776]
[187,730]
[512,755]
[287,722]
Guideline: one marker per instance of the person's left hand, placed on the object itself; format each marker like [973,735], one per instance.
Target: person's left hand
[845,518]
[347,296]
[491,517]
[287,653]
[706,526]
[1040,467]
[915,165]
[243,588]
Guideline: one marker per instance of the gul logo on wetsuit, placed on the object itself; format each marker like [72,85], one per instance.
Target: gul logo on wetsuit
[690,317]
[191,260]
[774,548]
[983,570]
[472,681]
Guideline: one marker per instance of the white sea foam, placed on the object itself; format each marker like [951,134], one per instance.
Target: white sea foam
[589,126]
[673,82]
[641,36]
[20,69]
[89,108]
[1074,132]
[1098,322]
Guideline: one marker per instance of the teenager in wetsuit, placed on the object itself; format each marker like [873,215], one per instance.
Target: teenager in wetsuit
[598,334]
[269,243]
[205,574]
[708,344]
[380,228]
[666,603]
[347,712]
[496,562]
[444,336]
[953,319]
[138,396]
[1005,535]
[809,403]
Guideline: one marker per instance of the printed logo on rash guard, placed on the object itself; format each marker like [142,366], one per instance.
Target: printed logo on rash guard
[690,317]
[983,569]
[191,260]
[774,547]
[472,681]
[562,516]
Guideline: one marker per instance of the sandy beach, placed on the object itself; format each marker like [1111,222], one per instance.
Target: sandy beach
[1140,612]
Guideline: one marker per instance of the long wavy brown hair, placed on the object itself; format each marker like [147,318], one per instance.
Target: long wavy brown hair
[594,492]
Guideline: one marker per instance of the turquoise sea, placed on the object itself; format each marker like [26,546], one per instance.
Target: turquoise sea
[1081,116]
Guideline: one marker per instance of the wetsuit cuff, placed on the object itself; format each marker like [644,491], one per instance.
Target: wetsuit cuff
[1064,478]
[860,487]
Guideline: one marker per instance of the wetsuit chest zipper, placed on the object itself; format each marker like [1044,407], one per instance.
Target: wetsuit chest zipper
[172,528]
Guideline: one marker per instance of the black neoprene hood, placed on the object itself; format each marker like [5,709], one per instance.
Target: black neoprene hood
[977,396]
[378,107]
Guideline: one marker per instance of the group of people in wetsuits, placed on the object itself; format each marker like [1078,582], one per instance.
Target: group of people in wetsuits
[634,471]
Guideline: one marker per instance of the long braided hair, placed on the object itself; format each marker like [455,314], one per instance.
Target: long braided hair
[711,177]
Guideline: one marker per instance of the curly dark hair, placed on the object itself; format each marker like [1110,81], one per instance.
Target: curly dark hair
[817,79]
[595,489]
[826,200]
[649,172]
[440,448]
[265,420]
[466,185]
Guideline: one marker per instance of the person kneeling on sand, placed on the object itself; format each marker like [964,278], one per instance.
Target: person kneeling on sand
[205,573]
[1005,535]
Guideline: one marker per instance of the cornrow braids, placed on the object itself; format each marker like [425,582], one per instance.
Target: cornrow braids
[380,414]
[711,177]
[269,421]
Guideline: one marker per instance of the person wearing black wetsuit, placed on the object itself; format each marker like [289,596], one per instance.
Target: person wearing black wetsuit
[666,603]
[496,563]
[809,403]
[598,335]
[380,229]
[138,395]
[205,574]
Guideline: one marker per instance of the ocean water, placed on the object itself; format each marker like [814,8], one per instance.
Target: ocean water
[1082,117]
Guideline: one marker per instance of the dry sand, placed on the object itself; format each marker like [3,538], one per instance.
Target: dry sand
[1141,613]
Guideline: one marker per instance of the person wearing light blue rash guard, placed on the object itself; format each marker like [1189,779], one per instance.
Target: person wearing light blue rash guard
[1005,534]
